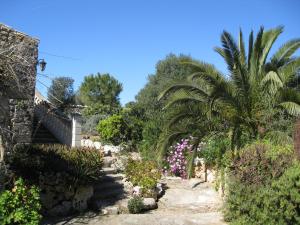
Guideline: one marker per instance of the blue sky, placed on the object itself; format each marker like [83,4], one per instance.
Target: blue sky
[126,38]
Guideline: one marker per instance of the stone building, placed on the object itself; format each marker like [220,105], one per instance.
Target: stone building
[18,61]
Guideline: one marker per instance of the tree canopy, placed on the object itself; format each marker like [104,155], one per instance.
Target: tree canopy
[61,92]
[100,88]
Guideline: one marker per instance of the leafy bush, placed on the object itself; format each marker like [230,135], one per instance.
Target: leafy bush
[143,173]
[214,150]
[121,128]
[264,187]
[135,205]
[277,203]
[261,162]
[21,205]
[83,165]
[113,129]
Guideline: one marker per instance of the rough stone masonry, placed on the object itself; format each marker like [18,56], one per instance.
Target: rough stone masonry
[18,61]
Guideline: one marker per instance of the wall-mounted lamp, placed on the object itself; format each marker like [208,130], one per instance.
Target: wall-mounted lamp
[42,64]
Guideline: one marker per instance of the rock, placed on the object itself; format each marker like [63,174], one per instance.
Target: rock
[82,195]
[211,177]
[110,210]
[49,199]
[128,186]
[87,143]
[97,145]
[120,162]
[123,205]
[194,182]
[159,189]
[112,148]
[149,203]
[135,156]
[69,193]
[108,161]
[62,209]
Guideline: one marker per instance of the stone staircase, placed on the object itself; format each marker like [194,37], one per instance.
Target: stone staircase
[41,135]
[109,193]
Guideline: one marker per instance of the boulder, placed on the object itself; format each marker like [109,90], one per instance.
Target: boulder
[97,145]
[62,209]
[82,195]
[149,203]
[110,210]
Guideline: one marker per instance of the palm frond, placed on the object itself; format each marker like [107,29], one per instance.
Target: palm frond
[250,49]
[289,71]
[272,82]
[291,108]
[188,87]
[285,51]
[268,39]
[242,48]
[255,55]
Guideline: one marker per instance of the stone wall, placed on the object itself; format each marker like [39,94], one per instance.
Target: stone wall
[60,198]
[18,60]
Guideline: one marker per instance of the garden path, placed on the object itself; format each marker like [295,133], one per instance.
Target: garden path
[186,202]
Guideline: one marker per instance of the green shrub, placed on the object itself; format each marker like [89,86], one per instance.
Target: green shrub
[135,205]
[214,150]
[83,165]
[20,206]
[143,173]
[261,162]
[264,186]
[277,203]
[113,129]
[122,128]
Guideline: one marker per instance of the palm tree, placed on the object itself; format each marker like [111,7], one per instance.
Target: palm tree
[257,87]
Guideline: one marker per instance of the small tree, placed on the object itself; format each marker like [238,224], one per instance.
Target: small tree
[61,92]
[100,90]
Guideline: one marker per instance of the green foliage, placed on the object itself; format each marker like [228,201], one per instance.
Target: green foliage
[83,165]
[143,173]
[276,203]
[135,205]
[101,110]
[123,128]
[214,150]
[113,129]
[168,71]
[264,186]
[61,92]
[261,162]
[99,92]
[21,205]
[258,92]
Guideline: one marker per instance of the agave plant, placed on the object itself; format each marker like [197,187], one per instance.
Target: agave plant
[257,89]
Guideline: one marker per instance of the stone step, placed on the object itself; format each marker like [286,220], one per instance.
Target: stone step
[109,170]
[112,177]
[108,194]
[108,185]
[108,161]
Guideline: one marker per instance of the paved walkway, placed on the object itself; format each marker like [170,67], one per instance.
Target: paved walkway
[186,202]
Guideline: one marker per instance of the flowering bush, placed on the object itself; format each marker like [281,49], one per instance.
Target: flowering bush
[177,159]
